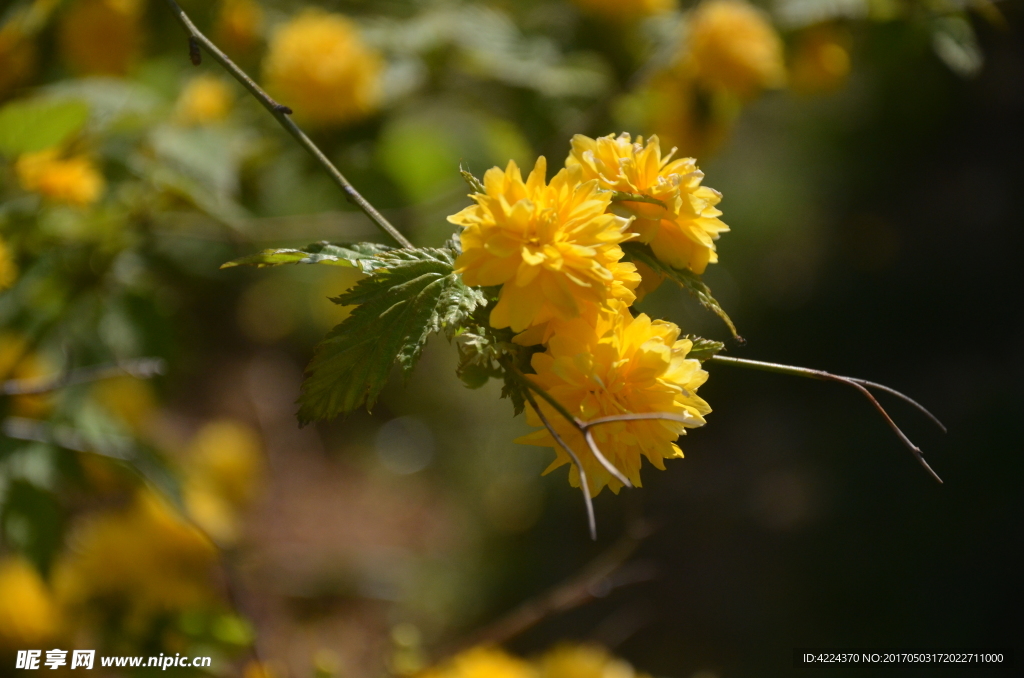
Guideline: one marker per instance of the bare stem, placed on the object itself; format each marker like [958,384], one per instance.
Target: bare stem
[581,426]
[143,368]
[858,384]
[591,520]
[281,112]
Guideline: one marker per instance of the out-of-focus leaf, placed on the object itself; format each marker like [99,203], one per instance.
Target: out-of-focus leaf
[110,100]
[795,14]
[954,42]
[703,348]
[29,126]
[361,255]
[686,278]
[412,295]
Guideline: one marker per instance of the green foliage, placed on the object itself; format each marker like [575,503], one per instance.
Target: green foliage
[361,255]
[411,295]
[703,349]
[686,278]
[475,184]
[34,125]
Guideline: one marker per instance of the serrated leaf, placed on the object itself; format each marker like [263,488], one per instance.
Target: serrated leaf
[361,255]
[703,348]
[413,294]
[30,126]
[686,278]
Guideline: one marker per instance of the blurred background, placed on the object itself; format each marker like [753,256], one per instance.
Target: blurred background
[168,502]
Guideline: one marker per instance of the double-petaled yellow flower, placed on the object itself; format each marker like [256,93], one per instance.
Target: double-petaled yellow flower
[319,65]
[622,365]
[73,181]
[583,661]
[553,248]
[732,45]
[683,224]
[482,662]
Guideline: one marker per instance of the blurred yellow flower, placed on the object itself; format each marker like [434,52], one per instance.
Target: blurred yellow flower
[102,37]
[32,366]
[143,558]
[732,45]
[552,247]
[621,365]
[687,117]
[129,399]
[583,661]
[683,227]
[224,471]
[74,181]
[28,614]
[17,56]
[319,66]
[203,100]
[624,10]
[238,26]
[820,61]
[482,662]
[8,267]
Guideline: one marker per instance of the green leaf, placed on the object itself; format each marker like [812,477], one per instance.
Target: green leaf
[412,294]
[361,255]
[954,42]
[686,278]
[703,348]
[35,125]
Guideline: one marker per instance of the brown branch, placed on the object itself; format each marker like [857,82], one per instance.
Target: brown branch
[143,368]
[281,113]
[592,582]
[859,384]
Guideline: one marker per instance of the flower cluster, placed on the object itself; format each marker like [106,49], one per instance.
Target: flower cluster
[555,250]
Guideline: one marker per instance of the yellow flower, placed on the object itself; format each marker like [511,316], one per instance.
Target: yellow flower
[8,267]
[30,367]
[624,10]
[224,473]
[682,229]
[203,100]
[582,661]
[552,247]
[102,37]
[732,45]
[18,56]
[821,60]
[238,26]
[319,65]
[622,365]
[482,662]
[28,614]
[74,181]
[143,558]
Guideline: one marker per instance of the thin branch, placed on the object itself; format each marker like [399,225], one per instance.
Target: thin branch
[581,426]
[281,112]
[596,580]
[143,368]
[591,520]
[858,384]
